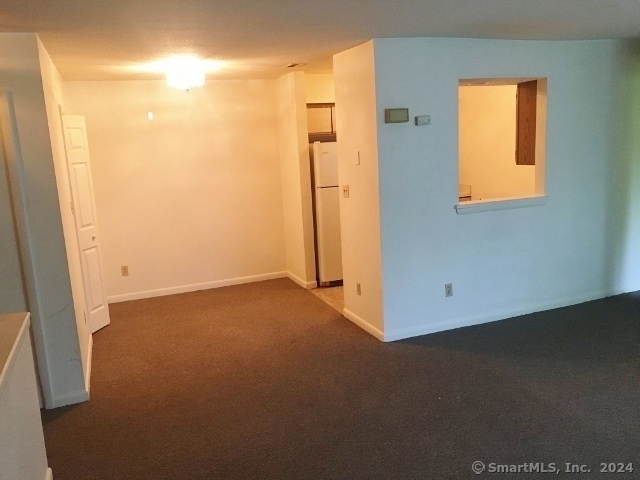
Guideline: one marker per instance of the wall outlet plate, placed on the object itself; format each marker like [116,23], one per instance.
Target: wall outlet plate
[448,289]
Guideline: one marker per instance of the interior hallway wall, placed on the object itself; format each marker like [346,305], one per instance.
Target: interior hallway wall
[501,263]
[295,168]
[624,203]
[192,198]
[54,100]
[48,285]
[13,296]
[356,124]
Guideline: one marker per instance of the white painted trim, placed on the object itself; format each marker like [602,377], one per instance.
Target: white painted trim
[469,321]
[71,398]
[87,373]
[478,206]
[363,324]
[301,282]
[194,287]
[49,474]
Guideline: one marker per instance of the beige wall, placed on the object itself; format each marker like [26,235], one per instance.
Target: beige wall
[319,88]
[356,115]
[487,142]
[54,100]
[190,199]
[13,297]
[295,170]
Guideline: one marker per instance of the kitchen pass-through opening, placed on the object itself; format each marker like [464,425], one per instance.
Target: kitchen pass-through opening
[502,136]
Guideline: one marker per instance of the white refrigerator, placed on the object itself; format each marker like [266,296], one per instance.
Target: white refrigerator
[327,213]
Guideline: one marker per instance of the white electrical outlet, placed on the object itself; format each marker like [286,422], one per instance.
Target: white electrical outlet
[345,191]
[448,289]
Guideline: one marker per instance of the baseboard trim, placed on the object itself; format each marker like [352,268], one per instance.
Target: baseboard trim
[433,327]
[301,282]
[87,373]
[363,324]
[69,399]
[194,287]
[621,291]
[49,474]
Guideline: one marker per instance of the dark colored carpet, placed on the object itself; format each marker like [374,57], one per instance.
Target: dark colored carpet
[265,381]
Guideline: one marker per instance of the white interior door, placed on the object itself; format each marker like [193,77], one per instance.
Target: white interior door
[84,210]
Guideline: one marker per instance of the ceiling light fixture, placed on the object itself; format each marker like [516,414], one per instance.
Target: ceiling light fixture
[184,73]
[175,69]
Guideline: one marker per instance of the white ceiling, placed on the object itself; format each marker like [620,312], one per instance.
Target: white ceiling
[113,39]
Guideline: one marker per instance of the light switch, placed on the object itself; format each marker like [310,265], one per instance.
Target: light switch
[345,191]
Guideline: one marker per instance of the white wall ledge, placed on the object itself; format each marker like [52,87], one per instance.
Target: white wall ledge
[478,206]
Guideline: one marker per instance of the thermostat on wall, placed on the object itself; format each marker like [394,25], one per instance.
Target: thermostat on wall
[396,115]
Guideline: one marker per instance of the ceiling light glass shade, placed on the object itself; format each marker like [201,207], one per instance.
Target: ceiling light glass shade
[185,75]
